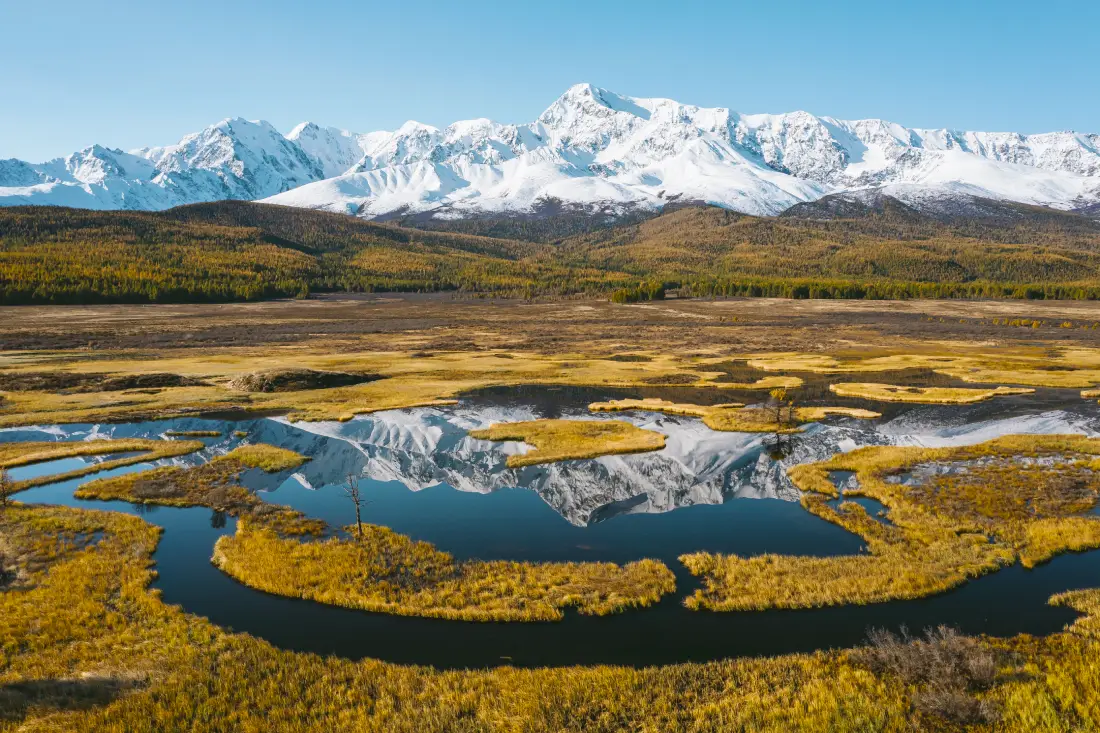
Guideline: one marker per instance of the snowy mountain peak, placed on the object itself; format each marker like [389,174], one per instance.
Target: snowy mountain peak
[590,148]
[332,149]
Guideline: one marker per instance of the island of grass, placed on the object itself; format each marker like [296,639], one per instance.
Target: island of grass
[923,395]
[214,485]
[764,383]
[379,570]
[1019,498]
[25,453]
[193,433]
[564,440]
[735,417]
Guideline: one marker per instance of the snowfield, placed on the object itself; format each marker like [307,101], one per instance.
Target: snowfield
[591,148]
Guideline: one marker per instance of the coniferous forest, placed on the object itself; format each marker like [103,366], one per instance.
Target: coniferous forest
[229,251]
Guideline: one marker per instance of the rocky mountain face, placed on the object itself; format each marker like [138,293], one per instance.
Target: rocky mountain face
[591,149]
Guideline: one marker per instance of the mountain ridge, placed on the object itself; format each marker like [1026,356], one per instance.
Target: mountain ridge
[590,149]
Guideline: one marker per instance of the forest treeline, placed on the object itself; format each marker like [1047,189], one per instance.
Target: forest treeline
[230,251]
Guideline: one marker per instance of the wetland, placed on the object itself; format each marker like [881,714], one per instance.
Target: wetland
[714,537]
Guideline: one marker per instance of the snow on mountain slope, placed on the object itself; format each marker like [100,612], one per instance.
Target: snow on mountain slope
[590,148]
[336,151]
[234,159]
[593,147]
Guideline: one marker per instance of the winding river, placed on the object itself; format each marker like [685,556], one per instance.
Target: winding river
[715,491]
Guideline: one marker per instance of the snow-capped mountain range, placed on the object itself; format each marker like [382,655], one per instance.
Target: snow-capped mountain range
[591,148]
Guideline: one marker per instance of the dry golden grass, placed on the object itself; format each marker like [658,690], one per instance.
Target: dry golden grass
[24,453]
[564,440]
[406,379]
[193,434]
[943,532]
[814,414]
[764,383]
[43,408]
[764,582]
[268,457]
[32,540]
[386,572]
[733,416]
[654,404]
[1071,367]
[922,395]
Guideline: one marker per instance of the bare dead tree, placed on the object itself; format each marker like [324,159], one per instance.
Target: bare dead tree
[353,492]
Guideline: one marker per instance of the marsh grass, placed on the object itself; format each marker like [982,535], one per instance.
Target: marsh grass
[922,395]
[214,485]
[954,527]
[1070,367]
[193,434]
[733,416]
[815,414]
[33,540]
[387,572]
[562,440]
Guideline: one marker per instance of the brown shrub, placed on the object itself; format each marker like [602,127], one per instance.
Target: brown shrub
[947,668]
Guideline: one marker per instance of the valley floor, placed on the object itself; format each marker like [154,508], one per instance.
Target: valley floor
[452,322]
[87,646]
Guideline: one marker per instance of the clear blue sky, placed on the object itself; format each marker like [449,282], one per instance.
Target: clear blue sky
[127,73]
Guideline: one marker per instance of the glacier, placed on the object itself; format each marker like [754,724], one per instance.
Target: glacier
[591,149]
